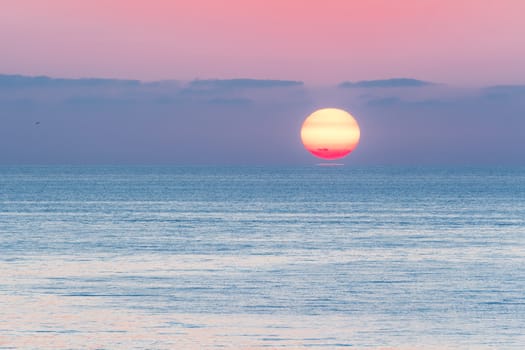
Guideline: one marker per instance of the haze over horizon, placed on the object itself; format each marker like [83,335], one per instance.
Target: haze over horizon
[252,121]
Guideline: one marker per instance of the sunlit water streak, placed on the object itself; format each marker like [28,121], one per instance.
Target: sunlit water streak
[314,257]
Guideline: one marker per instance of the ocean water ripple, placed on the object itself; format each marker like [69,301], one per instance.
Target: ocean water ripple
[254,257]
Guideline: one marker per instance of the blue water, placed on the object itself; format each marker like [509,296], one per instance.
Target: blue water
[262,257]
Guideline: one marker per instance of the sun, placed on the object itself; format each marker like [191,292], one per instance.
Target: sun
[330,133]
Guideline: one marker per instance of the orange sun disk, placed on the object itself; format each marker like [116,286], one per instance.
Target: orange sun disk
[330,133]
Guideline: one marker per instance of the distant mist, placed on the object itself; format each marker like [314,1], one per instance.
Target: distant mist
[250,121]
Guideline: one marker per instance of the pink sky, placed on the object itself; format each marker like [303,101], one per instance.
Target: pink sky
[465,42]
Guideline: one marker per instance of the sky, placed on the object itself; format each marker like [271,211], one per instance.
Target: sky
[462,42]
[230,82]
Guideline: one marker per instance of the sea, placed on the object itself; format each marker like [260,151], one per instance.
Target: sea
[143,257]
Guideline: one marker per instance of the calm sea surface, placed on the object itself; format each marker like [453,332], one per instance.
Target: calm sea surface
[247,258]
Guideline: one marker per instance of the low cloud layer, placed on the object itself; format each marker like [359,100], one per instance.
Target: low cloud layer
[386,83]
[20,81]
[242,83]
